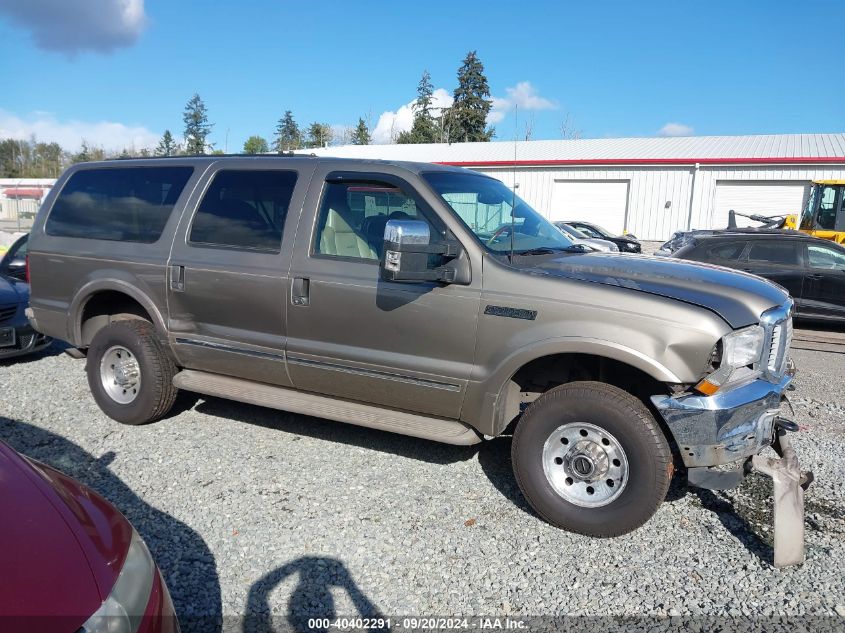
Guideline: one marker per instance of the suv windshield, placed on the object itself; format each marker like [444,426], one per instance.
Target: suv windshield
[493,212]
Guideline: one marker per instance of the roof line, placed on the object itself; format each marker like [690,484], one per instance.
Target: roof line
[794,160]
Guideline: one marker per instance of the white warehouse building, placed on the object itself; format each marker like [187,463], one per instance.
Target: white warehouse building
[650,187]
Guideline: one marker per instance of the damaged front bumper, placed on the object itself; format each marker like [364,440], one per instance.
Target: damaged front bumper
[733,427]
[726,427]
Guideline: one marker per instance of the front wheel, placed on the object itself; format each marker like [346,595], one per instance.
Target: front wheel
[129,373]
[590,458]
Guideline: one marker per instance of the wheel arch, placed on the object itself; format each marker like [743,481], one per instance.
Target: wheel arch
[584,358]
[97,302]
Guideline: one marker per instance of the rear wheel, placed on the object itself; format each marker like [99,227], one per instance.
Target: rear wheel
[590,458]
[129,373]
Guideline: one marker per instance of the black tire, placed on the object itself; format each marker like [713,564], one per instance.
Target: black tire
[627,420]
[155,393]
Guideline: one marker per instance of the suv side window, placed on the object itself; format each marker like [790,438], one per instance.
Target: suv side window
[782,251]
[244,209]
[129,204]
[353,216]
[730,251]
[824,257]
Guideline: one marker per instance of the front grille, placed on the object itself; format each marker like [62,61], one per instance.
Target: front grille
[778,325]
[7,312]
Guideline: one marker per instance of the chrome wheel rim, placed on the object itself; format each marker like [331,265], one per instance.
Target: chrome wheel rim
[120,374]
[585,464]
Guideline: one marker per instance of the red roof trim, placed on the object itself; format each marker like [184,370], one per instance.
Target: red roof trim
[646,161]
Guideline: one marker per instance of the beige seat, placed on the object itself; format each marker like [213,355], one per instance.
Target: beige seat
[339,238]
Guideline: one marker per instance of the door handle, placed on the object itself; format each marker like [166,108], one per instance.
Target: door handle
[815,276]
[300,292]
[177,278]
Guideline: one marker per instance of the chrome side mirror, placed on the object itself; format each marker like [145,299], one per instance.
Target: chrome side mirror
[409,254]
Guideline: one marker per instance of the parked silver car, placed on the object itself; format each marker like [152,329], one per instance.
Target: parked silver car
[579,237]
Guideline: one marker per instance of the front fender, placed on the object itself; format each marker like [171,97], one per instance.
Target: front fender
[483,404]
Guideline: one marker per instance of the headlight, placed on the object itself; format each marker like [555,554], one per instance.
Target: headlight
[738,350]
[743,347]
[123,609]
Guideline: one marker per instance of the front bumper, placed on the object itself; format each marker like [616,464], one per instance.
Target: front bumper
[736,426]
[27,341]
[726,427]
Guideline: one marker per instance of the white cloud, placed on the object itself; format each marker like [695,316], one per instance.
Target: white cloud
[676,129]
[391,123]
[45,127]
[73,26]
[523,96]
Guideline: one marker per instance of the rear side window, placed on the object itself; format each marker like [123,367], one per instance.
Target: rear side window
[784,252]
[730,251]
[130,204]
[245,210]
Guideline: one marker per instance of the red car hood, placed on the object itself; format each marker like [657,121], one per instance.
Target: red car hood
[62,545]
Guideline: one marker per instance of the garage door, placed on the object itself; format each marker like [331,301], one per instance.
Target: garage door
[764,198]
[600,202]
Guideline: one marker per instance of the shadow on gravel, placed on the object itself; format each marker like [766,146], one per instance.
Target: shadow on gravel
[312,597]
[494,457]
[185,560]
[382,441]
[731,517]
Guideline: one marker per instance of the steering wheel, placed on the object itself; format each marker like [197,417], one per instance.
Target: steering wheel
[498,233]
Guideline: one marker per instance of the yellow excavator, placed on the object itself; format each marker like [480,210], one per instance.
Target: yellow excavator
[824,215]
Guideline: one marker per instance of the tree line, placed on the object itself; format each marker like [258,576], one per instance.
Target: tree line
[465,120]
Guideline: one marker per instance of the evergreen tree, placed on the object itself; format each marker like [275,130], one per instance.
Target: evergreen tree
[288,135]
[361,133]
[197,127]
[166,146]
[256,145]
[472,103]
[424,129]
[84,154]
[319,134]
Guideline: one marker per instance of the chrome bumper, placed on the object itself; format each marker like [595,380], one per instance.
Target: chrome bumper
[726,427]
[737,425]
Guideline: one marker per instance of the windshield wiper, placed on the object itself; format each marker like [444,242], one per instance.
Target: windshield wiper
[545,250]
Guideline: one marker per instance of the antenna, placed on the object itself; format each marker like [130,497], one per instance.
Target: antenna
[515,183]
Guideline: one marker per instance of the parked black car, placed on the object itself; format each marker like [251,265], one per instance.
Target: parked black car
[811,269]
[680,239]
[625,243]
[16,334]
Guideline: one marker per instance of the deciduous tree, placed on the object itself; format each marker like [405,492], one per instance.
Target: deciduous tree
[256,145]
[319,135]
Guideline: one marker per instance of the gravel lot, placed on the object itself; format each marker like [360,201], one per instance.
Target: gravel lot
[248,510]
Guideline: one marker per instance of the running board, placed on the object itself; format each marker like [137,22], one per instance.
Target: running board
[436,429]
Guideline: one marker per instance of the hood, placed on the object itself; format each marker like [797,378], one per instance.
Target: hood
[65,543]
[739,298]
